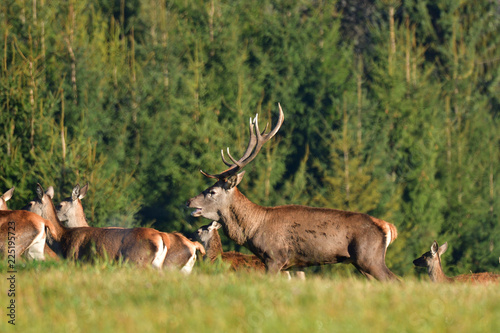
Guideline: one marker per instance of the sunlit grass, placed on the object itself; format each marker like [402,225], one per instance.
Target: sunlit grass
[104,297]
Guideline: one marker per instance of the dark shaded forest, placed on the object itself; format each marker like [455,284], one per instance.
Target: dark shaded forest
[391,108]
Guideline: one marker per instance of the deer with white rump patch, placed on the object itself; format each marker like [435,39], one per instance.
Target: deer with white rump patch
[142,246]
[181,252]
[432,261]
[292,235]
[22,231]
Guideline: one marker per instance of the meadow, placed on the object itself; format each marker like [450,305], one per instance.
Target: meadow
[104,297]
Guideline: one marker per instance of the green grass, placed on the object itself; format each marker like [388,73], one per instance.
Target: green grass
[67,297]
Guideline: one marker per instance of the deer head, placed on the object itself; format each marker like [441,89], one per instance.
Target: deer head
[71,209]
[431,258]
[205,233]
[215,200]
[37,206]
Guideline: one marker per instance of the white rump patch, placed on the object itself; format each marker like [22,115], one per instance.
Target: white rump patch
[188,267]
[388,237]
[160,256]
[36,248]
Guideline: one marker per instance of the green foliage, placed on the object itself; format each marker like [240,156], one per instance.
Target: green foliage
[389,110]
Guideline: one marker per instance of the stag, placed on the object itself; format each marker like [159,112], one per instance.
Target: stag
[292,235]
[181,252]
[143,246]
[432,261]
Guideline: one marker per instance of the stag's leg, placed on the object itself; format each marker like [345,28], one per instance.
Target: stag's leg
[365,274]
[274,266]
[370,261]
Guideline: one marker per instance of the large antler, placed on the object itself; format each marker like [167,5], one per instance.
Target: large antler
[257,140]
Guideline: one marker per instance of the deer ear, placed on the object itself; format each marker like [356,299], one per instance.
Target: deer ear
[83,191]
[434,248]
[216,225]
[39,191]
[233,180]
[443,248]
[50,192]
[76,192]
[7,195]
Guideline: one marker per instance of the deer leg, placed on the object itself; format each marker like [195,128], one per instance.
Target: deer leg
[274,266]
[378,271]
[35,249]
[365,274]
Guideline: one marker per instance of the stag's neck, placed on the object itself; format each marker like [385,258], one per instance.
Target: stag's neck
[436,272]
[242,219]
[214,246]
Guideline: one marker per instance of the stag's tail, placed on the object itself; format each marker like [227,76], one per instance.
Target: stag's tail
[389,229]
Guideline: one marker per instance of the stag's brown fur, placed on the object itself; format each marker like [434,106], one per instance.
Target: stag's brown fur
[210,238]
[286,236]
[432,261]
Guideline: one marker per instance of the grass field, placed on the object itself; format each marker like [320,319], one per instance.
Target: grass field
[67,297]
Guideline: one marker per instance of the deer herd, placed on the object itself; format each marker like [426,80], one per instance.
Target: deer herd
[280,237]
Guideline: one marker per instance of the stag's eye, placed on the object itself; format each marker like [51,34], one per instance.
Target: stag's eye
[212,192]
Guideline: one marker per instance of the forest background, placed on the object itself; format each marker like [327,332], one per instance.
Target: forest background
[391,109]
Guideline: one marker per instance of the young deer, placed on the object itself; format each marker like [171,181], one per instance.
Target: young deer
[209,237]
[143,246]
[292,235]
[181,252]
[432,260]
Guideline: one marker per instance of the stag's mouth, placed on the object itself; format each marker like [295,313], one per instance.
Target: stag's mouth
[196,212]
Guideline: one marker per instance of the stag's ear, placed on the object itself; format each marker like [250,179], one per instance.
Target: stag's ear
[233,180]
[50,192]
[83,191]
[76,192]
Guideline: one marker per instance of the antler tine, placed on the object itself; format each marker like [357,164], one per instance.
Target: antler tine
[262,138]
[255,143]
[223,158]
[232,159]
[251,142]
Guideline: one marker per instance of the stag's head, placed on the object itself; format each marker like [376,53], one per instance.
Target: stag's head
[212,202]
